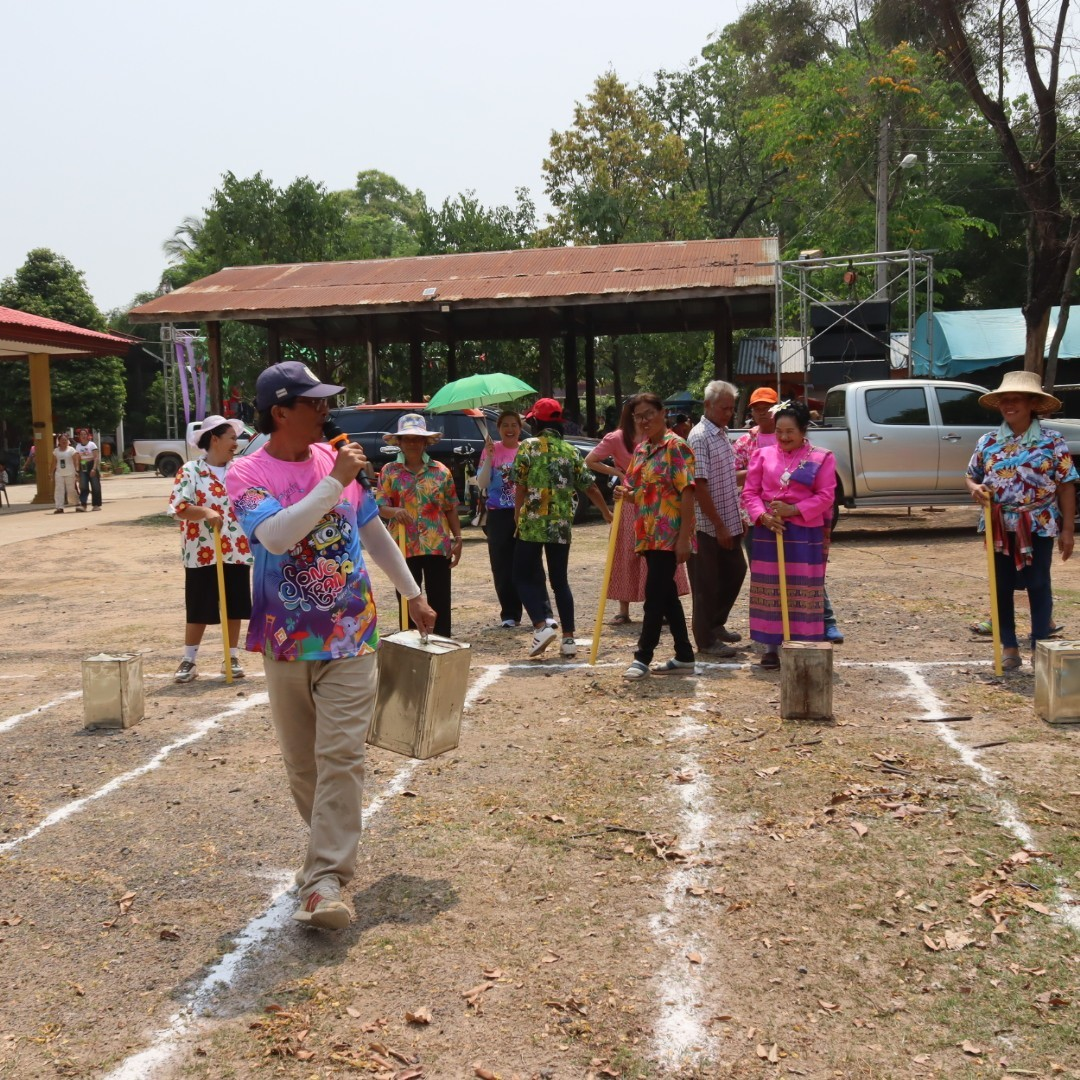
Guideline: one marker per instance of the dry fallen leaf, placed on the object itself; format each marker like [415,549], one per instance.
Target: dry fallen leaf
[418,1016]
[694,957]
[1042,909]
[554,817]
[492,973]
[484,1074]
[829,1006]
[860,828]
[169,935]
[550,958]
[970,1048]
[957,939]
[355,1013]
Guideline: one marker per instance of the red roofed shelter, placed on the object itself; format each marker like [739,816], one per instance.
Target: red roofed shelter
[33,338]
[542,293]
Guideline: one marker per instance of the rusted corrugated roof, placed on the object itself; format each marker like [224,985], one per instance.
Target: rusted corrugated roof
[529,277]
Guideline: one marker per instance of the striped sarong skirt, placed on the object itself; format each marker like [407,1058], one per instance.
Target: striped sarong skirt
[804,558]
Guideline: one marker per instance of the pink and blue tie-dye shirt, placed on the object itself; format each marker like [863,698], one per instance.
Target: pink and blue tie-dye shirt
[313,602]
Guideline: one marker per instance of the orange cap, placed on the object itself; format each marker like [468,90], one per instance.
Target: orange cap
[764,393]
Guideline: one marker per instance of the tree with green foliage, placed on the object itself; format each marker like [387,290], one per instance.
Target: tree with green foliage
[250,222]
[464,224]
[824,128]
[616,175]
[988,47]
[382,217]
[87,391]
[706,103]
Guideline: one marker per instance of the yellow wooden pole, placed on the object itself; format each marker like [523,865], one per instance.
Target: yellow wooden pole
[41,413]
[781,570]
[991,569]
[613,537]
[223,608]
[404,602]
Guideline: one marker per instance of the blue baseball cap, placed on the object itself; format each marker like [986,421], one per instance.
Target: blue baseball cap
[293,378]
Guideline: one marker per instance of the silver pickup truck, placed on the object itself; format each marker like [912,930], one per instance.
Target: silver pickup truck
[905,442]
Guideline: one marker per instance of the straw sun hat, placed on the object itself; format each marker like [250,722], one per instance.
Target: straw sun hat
[1022,382]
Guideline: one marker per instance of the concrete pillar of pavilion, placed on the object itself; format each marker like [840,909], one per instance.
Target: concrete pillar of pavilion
[41,415]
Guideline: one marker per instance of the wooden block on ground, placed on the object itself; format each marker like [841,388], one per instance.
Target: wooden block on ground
[806,680]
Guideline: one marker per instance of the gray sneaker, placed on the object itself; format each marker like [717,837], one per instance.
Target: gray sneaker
[323,907]
[186,672]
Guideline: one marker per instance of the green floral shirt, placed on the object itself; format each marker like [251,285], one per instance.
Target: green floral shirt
[551,470]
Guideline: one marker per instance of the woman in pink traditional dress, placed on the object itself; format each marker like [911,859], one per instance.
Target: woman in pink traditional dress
[628,571]
[789,491]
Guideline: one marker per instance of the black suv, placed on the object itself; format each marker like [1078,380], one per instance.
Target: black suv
[461,444]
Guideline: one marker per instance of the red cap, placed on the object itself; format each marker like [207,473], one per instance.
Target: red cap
[546,410]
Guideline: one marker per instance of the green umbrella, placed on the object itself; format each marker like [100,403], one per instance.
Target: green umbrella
[475,391]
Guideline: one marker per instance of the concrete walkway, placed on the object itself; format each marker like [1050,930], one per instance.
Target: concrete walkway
[124,498]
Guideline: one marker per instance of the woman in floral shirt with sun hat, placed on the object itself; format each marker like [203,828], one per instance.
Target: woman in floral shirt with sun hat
[200,502]
[419,494]
[1024,475]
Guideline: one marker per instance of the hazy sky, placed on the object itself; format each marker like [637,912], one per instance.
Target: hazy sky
[122,116]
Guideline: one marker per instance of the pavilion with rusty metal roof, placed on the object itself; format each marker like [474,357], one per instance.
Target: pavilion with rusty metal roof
[36,339]
[562,293]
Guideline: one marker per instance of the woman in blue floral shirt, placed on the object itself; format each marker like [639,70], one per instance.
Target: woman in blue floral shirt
[1024,473]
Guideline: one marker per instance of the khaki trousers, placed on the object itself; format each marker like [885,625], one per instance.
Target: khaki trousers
[321,711]
[65,484]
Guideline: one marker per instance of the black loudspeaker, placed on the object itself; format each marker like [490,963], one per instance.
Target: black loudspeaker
[827,373]
[850,332]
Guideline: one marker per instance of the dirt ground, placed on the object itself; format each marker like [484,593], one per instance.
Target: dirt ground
[605,879]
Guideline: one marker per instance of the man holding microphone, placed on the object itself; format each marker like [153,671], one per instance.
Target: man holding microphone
[313,617]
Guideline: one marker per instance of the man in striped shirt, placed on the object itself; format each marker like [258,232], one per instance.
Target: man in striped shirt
[718,569]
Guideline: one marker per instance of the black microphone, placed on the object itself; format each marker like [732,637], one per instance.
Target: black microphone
[337,439]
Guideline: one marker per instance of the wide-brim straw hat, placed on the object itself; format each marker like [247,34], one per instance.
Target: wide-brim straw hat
[1022,382]
[411,424]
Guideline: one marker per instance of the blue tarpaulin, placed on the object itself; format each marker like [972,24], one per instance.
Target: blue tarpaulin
[965,341]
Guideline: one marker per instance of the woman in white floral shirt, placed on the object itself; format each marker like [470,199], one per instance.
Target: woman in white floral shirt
[200,502]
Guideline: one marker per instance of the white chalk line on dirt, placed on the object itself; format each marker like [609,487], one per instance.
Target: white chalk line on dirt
[1008,814]
[76,805]
[678,1033]
[166,1042]
[143,1064]
[11,721]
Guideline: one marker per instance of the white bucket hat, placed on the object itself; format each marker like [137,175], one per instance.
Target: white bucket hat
[209,424]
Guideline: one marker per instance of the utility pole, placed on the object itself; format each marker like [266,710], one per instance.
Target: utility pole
[881,203]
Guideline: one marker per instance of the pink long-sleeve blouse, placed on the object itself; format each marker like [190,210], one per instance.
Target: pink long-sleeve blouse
[811,483]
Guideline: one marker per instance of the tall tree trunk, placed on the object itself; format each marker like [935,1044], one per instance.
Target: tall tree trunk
[1063,314]
[1035,344]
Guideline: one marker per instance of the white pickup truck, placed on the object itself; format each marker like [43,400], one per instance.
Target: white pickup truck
[167,455]
[901,442]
